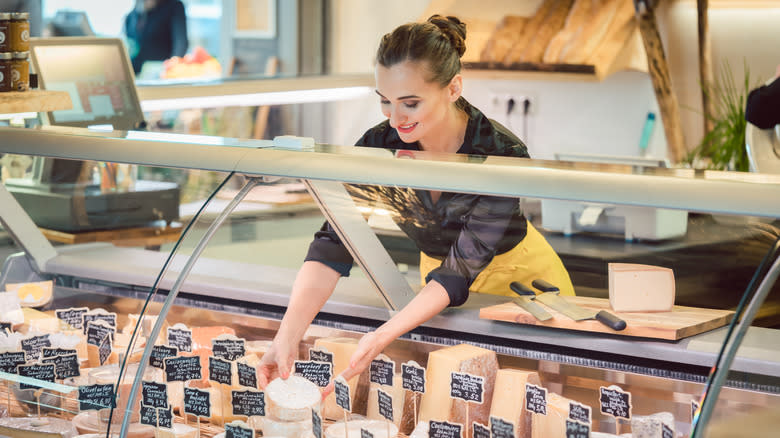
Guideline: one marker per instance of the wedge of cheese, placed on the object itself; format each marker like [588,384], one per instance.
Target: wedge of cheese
[403,404]
[37,427]
[292,399]
[179,430]
[652,426]
[37,321]
[640,288]
[510,386]
[342,350]
[437,404]
[554,423]
[33,294]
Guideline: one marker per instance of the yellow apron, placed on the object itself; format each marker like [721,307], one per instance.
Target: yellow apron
[532,258]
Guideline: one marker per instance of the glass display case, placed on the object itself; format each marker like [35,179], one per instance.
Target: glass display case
[172,327]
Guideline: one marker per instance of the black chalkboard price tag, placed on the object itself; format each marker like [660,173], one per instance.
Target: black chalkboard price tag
[104,350]
[180,369]
[97,331]
[694,408]
[480,431]
[385,402]
[316,424]
[500,428]
[239,429]
[364,433]
[467,387]
[382,371]
[318,373]
[249,403]
[73,316]
[43,372]
[51,352]
[615,402]
[33,346]
[10,360]
[98,315]
[228,349]
[180,336]
[154,394]
[535,399]
[165,417]
[444,429]
[96,397]
[666,431]
[247,375]
[413,376]
[6,327]
[65,366]
[220,371]
[575,429]
[197,402]
[148,415]
[343,398]
[160,353]
[320,355]
[579,412]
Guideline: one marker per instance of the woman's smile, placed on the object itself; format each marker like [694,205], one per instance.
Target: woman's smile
[405,129]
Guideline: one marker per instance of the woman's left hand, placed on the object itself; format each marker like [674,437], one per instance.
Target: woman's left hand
[369,347]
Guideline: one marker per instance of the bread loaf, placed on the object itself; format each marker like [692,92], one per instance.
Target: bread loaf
[529,30]
[508,30]
[582,47]
[578,16]
[618,34]
[552,24]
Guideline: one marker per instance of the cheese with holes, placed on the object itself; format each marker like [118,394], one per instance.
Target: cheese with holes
[403,404]
[437,404]
[652,426]
[640,288]
[510,385]
[179,431]
[342,350]
[554,423]
[292,399]
[290,429]
[37,427]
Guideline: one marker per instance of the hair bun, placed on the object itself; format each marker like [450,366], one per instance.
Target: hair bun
[453,29]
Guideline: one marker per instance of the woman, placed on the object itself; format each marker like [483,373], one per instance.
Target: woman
[468,242]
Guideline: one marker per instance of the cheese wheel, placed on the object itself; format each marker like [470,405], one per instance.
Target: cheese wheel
[378,428]
[640,288]
[510,385]
[37,427]
[292,399]
[290,429]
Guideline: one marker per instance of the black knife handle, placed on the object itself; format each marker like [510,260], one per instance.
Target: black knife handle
[611,320]
[521,289]
[544,286]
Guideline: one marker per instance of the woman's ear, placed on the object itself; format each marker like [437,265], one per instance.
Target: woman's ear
[455,88]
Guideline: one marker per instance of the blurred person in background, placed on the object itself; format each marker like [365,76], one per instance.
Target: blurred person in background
[763,104]
[156,30]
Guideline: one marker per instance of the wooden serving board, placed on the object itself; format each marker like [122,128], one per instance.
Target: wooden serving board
[680,323]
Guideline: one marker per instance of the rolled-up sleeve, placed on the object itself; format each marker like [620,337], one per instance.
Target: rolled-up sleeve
[328,249]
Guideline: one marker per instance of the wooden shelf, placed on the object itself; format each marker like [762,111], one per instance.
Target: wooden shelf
[34,101]
[530,71]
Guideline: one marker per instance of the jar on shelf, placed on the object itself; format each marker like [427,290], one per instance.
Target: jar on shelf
[5,23]
[20,71]
[19,32]
[6,58]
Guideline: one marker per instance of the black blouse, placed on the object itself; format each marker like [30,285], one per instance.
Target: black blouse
[465,231]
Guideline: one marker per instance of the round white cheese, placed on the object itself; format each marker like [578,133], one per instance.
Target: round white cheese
[292,399]
[378,428]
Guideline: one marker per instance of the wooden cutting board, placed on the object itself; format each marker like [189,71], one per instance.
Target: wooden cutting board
[680,323]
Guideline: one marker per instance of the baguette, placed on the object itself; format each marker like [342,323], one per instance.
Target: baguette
[508,30]
[581,48]
[551,26]
[529,30]
[578,16]
[606,53]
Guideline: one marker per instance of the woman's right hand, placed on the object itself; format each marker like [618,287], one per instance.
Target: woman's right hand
[276,362]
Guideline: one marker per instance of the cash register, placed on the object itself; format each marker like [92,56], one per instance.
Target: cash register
[73,196]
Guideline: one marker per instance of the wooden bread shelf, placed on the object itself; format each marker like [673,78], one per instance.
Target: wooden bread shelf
[34,101]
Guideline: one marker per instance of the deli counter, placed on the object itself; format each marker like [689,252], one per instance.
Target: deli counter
[203,296]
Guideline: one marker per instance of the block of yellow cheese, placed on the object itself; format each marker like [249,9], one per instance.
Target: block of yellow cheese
[554,423]
[342,350]
[403,404]
[436,403]
[640,288]
[509,399]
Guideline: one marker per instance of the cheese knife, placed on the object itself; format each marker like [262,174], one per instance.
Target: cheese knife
[524,301]
[550,297]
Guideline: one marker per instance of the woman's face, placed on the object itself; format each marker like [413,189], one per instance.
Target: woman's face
[415,108]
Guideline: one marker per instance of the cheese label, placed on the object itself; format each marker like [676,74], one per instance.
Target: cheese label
[364,433]
[220,371]
[148,415]
[197,402]
[320,354]
[44,372]
[535,399]
[6,327]
[228,349]
[33,346]
[97,331]
[96,397]
[666,431]
[52,352]
[160,353]
[249,403]
[615,402]
[154,394]
[575,429]
[444,429]
[180,369]
[165,417]
[316,424]
[385,402]
[66,365]
[413,376]
[480,430]
[343,397]
[73,316]
[10,360]
[382,371]
[694,408]
[98,315]
[579,412]
[239,429]
[104,349]
[247,375]
[318,373]
[467,387]
[500,428]
[180,336]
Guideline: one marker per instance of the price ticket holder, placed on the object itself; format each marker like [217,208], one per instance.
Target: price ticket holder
[182,369]
[382,372]
[343,399]
[616,403]
[413,377]
[469,388]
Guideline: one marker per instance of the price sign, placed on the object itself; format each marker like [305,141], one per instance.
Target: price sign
[249,403]
[320,355]
[579,412]
[500,428]
[413,376]
[96,397]
[364,433]
[615,402]
[180,369]
[444,429]
[33,346]
[343,397]
[220,371]
[6,327]
[97,315]
[65,366]
[43,372]
[239,429]
[316,424]
[73,316]
[480,431]
[317,372]
[148,415]
[10,360]
[467,387]
[228,349]
[382,371]
[197,402]
[180,337]
[575,429]
[247,375]
[51,352]
[160,353]
[694,408]
[165,417]
[154,394]
[535,399]
[666,431]
[385,402]
[97,331]
[104,350]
